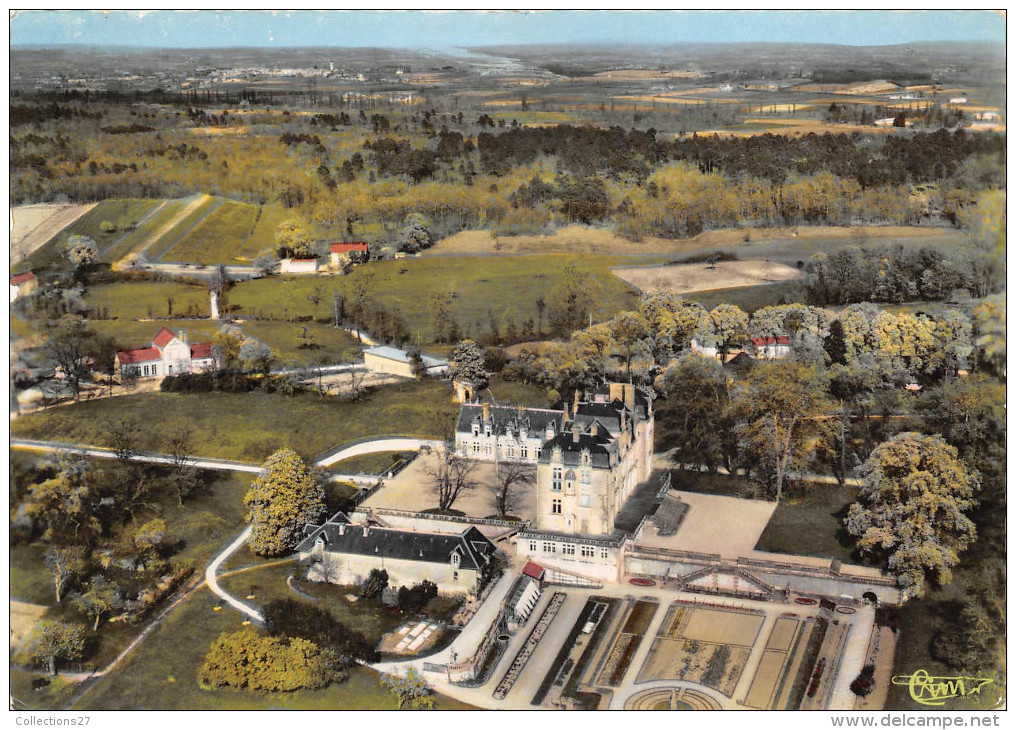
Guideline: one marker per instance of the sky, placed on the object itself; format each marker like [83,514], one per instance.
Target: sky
[421,29]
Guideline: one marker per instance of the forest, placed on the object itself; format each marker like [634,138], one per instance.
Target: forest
[363,174]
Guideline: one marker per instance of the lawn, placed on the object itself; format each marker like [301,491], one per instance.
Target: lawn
[750,298]
[29,578]
[285,339]
[147,299]
[161,674]
[375,463]
[56,694]
[218,237]
[249,427]
[503,288]
[809,521]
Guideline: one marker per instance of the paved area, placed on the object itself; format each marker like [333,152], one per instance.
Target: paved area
[729,526]
[412,490]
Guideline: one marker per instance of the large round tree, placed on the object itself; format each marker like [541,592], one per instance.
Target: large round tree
[467,364]
[911,509]
[280,502]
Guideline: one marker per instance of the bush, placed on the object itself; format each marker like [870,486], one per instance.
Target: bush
[377,581]
[248,659]
[412,600]
[864,683]
[494,359]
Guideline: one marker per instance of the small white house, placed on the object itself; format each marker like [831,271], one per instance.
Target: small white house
[298,266]
[771,348]
[170,354]
[704,350]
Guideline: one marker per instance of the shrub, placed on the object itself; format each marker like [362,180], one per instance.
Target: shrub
[864,683]
[295,619]
[412,600]
[248,659]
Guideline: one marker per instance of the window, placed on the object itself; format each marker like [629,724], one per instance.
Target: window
[604,553]
[585,477]
[532,546]
[585,457]
[555,507]
[476,447]
[555,479]
[539,453]
[486,449]
[455,575]
[583,500]
[476,429]
[549,547]
[511,451]
[486,430]
[525,452]
[568,549]
[587,551]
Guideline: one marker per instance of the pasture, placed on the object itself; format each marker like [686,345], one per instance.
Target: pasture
[482,289]
[34,225]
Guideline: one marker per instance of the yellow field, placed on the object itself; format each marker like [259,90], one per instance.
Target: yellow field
[636,73]
[33,225]
[218,131]
[673,100]
[722,627]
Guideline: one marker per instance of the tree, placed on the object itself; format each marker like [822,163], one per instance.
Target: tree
[409,688]
[452,476]
[256,356]
[291,239]
[96,600]
[510,475]
[67,503]
[226,344]
[696,416]
[989,323]
[835,344]
[66,564]
[122,436]
[446,328]
[467,364]
[413,600]
[298,619]
[911,507]
[100,350]
[415,234]
[730,326]
[287,496]
[178,443]
[315,297]
[375,584]
[248,659]
[776,416]
[52,641]
[629,333]
[81,251]
[68,348]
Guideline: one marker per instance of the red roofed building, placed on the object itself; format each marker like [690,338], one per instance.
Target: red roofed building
[25,283]
[771,348]
[348,252]
[169,354]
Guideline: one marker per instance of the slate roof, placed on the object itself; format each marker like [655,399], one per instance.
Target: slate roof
[600,447]
[475,550]
[509,418]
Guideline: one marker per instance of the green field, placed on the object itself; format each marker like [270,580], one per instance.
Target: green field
[248,427]
[162,245]
[263,236]
[161,674]
[218,237]
[147,299]
[137,238]
[809,521]
[119,212]
[503,287]
[285,338]
[370,464]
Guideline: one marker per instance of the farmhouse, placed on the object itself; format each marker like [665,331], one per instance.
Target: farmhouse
[352,252]
[169,354]
[771,348]
[392,360]
[489,432]
[298,266]
[23,284]
[344,553]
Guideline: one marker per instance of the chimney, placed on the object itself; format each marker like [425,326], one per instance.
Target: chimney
[366,530]
[183,337]
[629,397]
[575,433]
[575,403]
[594,429]
[616,392]
[342,528]
[486,411]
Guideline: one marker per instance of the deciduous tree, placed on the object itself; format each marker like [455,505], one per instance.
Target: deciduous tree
[911,509]
[467,364]
[287,496]
[51,641]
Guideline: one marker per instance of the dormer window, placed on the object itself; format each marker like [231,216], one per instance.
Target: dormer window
[585,457]
[456,559]
[476,429]
[486,429]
